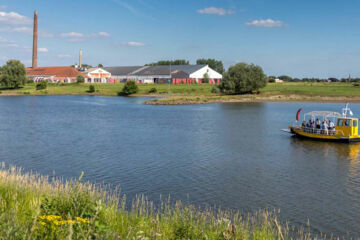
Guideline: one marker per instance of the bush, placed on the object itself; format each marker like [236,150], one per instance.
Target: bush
[271,80]
[215,89]
[30,81]
[243,78]
[13,74]
[153,90]
[91,89]
[129,88]
[80,79]
[206,78]
[41,85]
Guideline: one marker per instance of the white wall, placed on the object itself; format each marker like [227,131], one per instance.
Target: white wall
[211,73]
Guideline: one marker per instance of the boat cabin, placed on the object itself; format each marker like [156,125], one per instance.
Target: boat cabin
[348,126]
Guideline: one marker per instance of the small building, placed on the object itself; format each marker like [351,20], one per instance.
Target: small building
[64,74]
[97,75]
[277,80]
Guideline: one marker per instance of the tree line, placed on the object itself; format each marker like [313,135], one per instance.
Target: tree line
[217,65]
[286,78]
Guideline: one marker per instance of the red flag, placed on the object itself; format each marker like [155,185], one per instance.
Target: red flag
[298,114]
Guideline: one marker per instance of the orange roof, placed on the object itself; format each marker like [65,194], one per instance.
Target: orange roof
[54,71]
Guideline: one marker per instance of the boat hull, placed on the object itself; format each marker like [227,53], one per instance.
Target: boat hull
[323,137]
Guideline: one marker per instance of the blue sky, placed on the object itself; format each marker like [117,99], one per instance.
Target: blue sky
[297,38]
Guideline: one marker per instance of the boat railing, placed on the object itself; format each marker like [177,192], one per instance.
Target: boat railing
[326,132]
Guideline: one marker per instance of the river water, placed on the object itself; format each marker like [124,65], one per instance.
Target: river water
[231,155]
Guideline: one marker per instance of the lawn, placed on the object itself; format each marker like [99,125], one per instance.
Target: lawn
[201,93]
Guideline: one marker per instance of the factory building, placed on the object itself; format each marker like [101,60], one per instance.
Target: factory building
[53,74]
[176,74]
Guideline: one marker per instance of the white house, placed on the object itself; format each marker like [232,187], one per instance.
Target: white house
[97,75]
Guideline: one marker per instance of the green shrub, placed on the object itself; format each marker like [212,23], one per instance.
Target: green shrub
[153,90]
[80,79]
[13,74]
[30,81]
[215,89]
[91,89]
[41,85]
[129,88]
[243,78]
[271,80]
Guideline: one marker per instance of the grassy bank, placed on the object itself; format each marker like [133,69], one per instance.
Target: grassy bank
[201,93]
[33,208]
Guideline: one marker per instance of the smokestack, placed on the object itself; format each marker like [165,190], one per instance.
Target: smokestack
[80,58]
[35,39]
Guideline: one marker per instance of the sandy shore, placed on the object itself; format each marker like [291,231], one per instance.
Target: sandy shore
[248,98]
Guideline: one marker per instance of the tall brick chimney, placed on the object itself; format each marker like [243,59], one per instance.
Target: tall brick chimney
[35,41]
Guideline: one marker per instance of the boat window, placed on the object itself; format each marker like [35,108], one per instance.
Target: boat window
[347,123]
[340,122]
[355,123]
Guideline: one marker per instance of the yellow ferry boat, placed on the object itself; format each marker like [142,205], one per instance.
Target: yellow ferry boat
[344,129]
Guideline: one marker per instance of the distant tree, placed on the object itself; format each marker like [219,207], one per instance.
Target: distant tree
[91,89]
[285,78]
[334,79]
[100,65]
[243,78]
[84,66]
[206,78]
[271,79]
[41,85]
[214,64]
[13,74]
[80,79]
[169,62]
[129,88]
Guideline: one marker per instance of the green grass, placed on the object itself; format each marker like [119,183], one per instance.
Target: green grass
[111,89]
[312,89]
[31,207]
[201,93]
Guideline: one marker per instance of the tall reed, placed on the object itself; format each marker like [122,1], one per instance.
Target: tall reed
[32,207]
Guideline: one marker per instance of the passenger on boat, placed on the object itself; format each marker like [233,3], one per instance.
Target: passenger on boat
[318,124]
[303,125]
[308,124]
[331,127]
[325,127]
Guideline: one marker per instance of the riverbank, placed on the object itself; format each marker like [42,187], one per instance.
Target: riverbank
[201,93]
[32,207]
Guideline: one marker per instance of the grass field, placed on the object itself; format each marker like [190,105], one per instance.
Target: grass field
[31,207]
[201,93]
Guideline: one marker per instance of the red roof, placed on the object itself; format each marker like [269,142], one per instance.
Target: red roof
[69,72]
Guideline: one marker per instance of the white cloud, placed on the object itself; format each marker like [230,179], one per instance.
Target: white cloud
[80,37]
[43,50]
[26,30]
[216,11]
[132,44]
[4,40]
[14,18]
[268,23]
[72,35]
[103,34]
[64,56]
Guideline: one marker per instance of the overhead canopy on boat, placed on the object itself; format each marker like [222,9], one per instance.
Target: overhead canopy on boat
[324,114]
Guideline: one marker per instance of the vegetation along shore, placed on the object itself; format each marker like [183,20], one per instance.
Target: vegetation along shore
[241,83]
[32,207]
[202,93]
